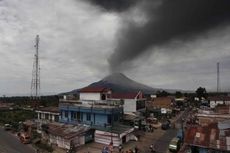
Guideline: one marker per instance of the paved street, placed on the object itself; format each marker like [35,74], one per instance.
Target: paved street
[10,144]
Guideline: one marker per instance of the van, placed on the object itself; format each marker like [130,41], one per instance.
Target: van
[174,145]
[7,127]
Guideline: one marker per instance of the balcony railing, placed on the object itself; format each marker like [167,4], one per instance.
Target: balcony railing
[92,103]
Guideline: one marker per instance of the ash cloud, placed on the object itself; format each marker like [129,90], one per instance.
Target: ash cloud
[169,20]
[114,5]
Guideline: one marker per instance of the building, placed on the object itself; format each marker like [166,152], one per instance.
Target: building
[48,114]
[64,136]
[161,105]
[210,132]
[218,100]
[100,112]
[95,93]
[92,109]
[132,101]
[206,117]
[118,134]
[213,137]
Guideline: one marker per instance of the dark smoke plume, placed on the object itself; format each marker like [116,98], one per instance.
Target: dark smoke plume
[114,5]
[165,21]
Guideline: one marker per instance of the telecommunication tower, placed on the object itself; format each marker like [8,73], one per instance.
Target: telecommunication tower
[35,83]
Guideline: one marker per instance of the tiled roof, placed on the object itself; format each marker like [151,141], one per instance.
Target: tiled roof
[94,89]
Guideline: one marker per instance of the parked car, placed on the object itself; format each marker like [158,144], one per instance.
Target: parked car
[8,127]
[166,125]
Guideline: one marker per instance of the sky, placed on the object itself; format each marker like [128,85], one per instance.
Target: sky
[157,43]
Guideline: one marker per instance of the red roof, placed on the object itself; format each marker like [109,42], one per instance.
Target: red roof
[94,89]
[133,95]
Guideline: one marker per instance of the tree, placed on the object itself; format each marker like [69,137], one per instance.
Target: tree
[201,92]
[178,94]
[162,93]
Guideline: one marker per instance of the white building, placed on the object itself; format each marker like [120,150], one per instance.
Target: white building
[94,93]
[220,100]
[133,102]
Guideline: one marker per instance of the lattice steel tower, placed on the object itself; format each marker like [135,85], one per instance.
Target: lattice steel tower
[35,83]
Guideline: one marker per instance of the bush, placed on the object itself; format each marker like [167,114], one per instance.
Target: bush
[44,146]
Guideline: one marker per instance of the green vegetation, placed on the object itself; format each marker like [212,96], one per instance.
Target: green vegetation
[13,117]
[44,146]
[27,101]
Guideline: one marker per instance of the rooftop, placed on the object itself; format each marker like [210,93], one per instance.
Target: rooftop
[49,109]
[66,131]
[219,98]
[209,136]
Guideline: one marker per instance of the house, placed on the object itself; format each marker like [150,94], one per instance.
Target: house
[218,100]
[97,114]
[132,101]
[94,93]
[206,117]
[48,114]
[64,136]
[214,137]
[94,109]
[100,112]
[161,105]
[118,134]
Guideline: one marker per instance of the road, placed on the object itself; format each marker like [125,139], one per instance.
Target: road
[163,142]
[10,144]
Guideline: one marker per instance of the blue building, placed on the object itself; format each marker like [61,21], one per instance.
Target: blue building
[92,109]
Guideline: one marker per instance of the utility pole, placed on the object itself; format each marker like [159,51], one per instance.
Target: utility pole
[35,83]
[218,78]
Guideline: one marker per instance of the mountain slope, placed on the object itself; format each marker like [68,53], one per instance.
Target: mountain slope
[118,82]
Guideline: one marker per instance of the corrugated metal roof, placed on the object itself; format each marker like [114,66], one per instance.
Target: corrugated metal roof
[207,137]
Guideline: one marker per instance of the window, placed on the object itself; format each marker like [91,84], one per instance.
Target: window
[88,116]
[116,117]
[73,115]
[66,114]
[109,119]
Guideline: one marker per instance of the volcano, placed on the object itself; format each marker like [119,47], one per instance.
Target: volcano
[118,83]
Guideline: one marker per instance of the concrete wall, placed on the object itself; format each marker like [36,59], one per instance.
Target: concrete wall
[90,96]
[100,119]
[213,104]
[130,105]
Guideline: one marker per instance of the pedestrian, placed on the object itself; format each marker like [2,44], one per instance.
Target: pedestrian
[120,148]
[136,149]
[151,147]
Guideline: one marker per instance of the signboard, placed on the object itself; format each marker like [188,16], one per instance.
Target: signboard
[163,111]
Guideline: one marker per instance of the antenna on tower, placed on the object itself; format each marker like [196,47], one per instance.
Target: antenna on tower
[35,83]
[218,77]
